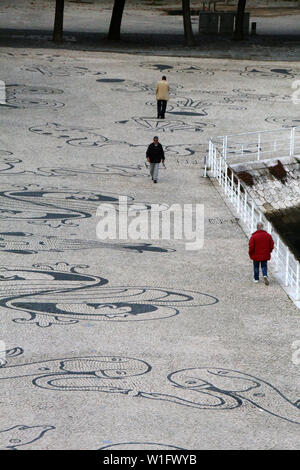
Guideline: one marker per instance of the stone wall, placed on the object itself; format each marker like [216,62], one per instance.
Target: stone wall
[276,183]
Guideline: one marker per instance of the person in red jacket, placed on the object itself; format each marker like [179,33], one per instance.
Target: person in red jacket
[261,245]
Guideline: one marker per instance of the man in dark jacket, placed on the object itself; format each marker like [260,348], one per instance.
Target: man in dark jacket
[155,154]
[261,245]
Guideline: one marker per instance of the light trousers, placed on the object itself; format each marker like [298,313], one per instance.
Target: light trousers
[154,170]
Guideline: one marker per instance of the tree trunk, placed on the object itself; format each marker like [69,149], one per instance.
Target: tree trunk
[116,19]
[59,21]
[187,24]
[239,24]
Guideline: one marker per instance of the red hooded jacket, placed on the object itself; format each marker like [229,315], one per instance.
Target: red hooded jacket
[261,245]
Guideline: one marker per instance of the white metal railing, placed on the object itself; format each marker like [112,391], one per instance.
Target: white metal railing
[259,145]
[221,149]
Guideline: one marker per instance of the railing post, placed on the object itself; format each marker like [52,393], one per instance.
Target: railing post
[252,216]
[220,172]
[277,254]
[232,183]
[297,281]
[225,143]
[210,147]
[245,206]
[287,259]
[215,162]
[205,166]
[292,141]
[238,196]
[226,178]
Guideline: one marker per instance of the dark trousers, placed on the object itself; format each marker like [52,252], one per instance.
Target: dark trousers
[161,108]
[264,268]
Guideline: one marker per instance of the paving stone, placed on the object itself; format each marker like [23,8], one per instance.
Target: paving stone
[112,342]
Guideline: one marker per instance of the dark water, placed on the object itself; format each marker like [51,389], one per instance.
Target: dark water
[287,225]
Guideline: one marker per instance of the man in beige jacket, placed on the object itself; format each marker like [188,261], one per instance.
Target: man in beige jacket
[162,96]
